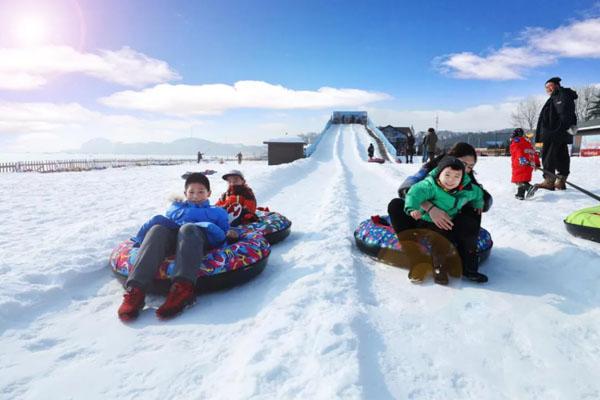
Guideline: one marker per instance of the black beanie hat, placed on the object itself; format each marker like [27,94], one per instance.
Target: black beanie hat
[451,162]
[517,133]
[197,177]
[556,80]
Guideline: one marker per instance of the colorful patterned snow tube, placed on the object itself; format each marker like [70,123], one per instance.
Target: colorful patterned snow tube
[274,226]
[585,223]
[226,266]
[372,237]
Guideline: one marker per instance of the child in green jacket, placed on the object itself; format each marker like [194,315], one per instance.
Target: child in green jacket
[448,188]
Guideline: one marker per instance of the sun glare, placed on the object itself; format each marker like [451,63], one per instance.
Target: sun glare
[30,30]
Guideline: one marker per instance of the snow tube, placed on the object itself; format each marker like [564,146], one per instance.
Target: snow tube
[372,237]
[272,225]
[585,223]
[226,266]
[377,160]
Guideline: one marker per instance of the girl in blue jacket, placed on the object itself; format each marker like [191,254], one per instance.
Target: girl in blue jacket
[189,228]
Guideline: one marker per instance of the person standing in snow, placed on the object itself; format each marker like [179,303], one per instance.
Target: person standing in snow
[371,151]
[429,145]
[189,228]
[467,221]
[556,125]
[410,147]
[239,157]
[523,159]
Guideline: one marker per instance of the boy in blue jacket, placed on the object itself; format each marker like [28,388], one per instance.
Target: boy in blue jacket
[189,228]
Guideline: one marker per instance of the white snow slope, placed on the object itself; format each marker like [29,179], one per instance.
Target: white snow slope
[323,321]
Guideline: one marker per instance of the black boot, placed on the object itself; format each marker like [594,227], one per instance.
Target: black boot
[476,277]
[521,191]
[470,267]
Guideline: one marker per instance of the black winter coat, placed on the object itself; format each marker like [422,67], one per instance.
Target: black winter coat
[557,115]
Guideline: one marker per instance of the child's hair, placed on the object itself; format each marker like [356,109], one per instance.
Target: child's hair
[517,133]
[197,177]
[452,163]
[462,149]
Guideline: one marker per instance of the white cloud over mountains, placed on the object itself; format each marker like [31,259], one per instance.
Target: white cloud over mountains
[29,68]
[580,39]
[40,127]
[213,99]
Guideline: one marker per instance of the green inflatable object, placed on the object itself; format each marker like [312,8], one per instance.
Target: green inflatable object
[585,223]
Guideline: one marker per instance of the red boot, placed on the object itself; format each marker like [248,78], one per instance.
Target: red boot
[180,295]
[133,303]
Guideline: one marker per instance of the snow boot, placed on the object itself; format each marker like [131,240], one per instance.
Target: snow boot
[531,191]
[475,277]
[560,184]
[133,303]
[547,184]
[521,191]
[180,296]
[440,275]
[418,272]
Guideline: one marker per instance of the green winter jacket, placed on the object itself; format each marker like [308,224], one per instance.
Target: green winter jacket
[451,202]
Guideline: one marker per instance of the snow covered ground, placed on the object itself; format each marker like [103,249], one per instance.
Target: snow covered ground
[323,321]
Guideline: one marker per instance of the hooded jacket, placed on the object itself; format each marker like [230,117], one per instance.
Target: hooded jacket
[523,157]
[426,169]
[557,115]
[449,201]
[212,220]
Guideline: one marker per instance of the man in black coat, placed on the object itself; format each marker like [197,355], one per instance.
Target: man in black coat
[556,119]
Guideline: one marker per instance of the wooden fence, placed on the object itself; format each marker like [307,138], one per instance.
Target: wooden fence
[46,166]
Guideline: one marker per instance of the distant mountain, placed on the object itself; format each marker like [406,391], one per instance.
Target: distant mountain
[187,146]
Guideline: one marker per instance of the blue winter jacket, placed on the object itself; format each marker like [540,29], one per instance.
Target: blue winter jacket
[213,220]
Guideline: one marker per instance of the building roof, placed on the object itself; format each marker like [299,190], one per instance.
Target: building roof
[286,139]
[403,129]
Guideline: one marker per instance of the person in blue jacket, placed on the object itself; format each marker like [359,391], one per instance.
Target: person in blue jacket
[190,227]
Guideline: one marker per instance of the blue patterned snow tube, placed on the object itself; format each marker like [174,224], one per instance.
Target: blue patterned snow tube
[221,267]
[372,237]
[272,225]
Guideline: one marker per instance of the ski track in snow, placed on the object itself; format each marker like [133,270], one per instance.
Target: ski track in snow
[323,320]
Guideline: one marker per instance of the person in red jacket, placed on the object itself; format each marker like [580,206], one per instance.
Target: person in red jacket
[238,200]
[524,158]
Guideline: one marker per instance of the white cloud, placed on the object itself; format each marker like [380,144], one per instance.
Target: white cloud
[484,117]
[504,64]
[54,127]
[43,127]
[215,98]
[580,39]
[31,67]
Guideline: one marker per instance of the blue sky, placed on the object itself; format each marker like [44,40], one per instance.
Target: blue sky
[239,71]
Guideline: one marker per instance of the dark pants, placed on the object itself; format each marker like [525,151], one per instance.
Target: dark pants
[409,157]
[463,235]
[555,157]
[188,244]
